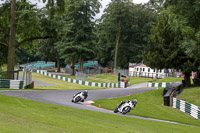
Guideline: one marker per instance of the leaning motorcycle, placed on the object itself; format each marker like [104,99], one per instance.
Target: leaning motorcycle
[78,98]
[125,107]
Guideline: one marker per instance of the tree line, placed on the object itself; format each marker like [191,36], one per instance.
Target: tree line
[175,37]
[66,31]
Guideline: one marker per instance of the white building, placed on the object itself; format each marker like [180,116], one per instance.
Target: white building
[141,70]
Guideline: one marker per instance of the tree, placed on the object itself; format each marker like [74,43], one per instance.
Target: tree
[188,22]
[20,11]
[156,5]
[48,49]
[124,42]
[17,30]
[164,47]
[3,59]
[115,19]
[78,37]
[114,23]
[25,55]
[3,36]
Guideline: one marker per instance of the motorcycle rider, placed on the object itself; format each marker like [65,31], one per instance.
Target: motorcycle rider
[134,102]
[85,94]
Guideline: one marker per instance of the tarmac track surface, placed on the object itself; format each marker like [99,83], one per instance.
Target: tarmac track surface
[64,98]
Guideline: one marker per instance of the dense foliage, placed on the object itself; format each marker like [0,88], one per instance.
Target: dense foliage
[118,38]
[174,41]
[20,25]
[122,32]
[77,39]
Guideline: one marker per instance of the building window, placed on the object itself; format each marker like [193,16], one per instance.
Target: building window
[137,69]
[148,69]
[143,69]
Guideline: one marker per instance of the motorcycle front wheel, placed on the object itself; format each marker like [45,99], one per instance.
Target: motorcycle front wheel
[116,110]
[77,99]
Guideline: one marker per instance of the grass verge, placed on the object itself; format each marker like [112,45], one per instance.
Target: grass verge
[99,78]
[26,116]
[134,80]
[191,95]
[63,85]
[150,105]
[168,79]
[59,84]
[110,78]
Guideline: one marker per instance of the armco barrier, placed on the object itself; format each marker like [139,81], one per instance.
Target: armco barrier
[109,85]
[12,84]
[187,108]
[158,84]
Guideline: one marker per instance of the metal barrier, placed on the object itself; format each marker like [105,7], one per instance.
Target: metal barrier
[169,94]
[146,75]
[81,82]
[80,76]
[27,78]
[187,108]
[121,71]
[154,75]
[11,84]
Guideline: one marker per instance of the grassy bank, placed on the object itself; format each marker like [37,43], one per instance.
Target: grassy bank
[150,105]
[110,78]
[59,84]
[134,80]
[99,78]
[191,95]
[168,79]
[25,116]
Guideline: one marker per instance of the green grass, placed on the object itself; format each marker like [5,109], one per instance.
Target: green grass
[99,78]
[103,78]
[26,116]
[150,105]
[168,79]
[191,95]
[67,76]
[134,80]
[110,78]
[63,85]
[59,84]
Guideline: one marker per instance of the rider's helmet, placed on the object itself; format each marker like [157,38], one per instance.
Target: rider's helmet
[85,92]
[135,101]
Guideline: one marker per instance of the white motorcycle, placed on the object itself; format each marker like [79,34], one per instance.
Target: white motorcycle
[125,107]
[80,97]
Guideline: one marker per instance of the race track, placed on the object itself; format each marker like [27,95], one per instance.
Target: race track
[64,97]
